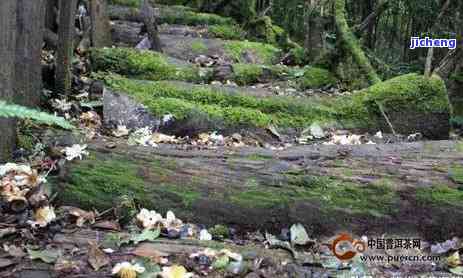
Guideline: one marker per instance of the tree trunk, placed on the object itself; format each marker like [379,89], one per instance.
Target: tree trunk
[372,17]
[7,56]
[430,54]
[29,39]
[50,14]
[65,46]
[101,29]
[149,19]
[350,42]
[376,188]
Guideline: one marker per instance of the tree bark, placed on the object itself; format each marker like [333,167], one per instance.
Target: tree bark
[50,14]
[66,31]
[101,29]
[430,54]
[375,188]
[29,39]
[7,55]
[149,19]
[370,19]
[351,44]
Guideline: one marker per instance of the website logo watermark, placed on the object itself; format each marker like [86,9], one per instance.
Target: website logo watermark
[354,246]
[407,250]
[417,42]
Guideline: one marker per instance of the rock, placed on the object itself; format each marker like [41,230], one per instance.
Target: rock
[316,131]
[96,90]
[173,234]
[252,275]
[144,44]
[223,72]
[120,109]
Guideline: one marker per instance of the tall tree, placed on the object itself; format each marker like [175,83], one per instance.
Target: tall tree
[149,19]
[29,38]
[101,29]
[7,55]
[66,30]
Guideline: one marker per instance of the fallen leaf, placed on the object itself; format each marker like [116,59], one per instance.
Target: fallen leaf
[148,250]
[454,260]
[221,262]
[175,271]
[145,235]
[97,258]
[6,262]
[457,270]
[48,256]
[107,225]
[299,235]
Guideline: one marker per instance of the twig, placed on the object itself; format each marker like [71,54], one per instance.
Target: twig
[381,109]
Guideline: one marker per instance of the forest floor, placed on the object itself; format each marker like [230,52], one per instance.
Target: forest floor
[106,235]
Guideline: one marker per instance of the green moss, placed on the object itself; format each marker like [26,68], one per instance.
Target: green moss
[266,53]
[411,92]
[219,232]
[101,182]
[227,32]
[247,74]
[233,108]
[456,173]
[198,47]
[440,196]
[315,78]
[141,64]
[186,16]
[300,55]
[128,3]
[331,194]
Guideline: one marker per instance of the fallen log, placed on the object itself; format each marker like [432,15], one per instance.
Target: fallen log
[410,188]
[413,103]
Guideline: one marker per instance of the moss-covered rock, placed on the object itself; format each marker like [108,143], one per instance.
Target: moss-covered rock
[143,64]
[265,53]
[412,102]
[247,74]
[227,32]
[314,78]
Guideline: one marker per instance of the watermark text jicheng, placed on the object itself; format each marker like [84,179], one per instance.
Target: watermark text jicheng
[417,42]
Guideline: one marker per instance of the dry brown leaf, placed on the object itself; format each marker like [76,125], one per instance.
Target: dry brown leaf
[97,258]
[148,250]
[107,225]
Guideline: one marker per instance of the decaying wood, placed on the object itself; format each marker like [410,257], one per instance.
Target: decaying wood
[223,180]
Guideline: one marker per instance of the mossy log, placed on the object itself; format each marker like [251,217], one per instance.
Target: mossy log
[421,102]
[170,15]
[411,188]
[154,66]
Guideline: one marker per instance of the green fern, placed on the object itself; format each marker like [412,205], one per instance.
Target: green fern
[17,111]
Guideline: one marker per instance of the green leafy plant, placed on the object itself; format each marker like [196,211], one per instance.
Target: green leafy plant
[16,111]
